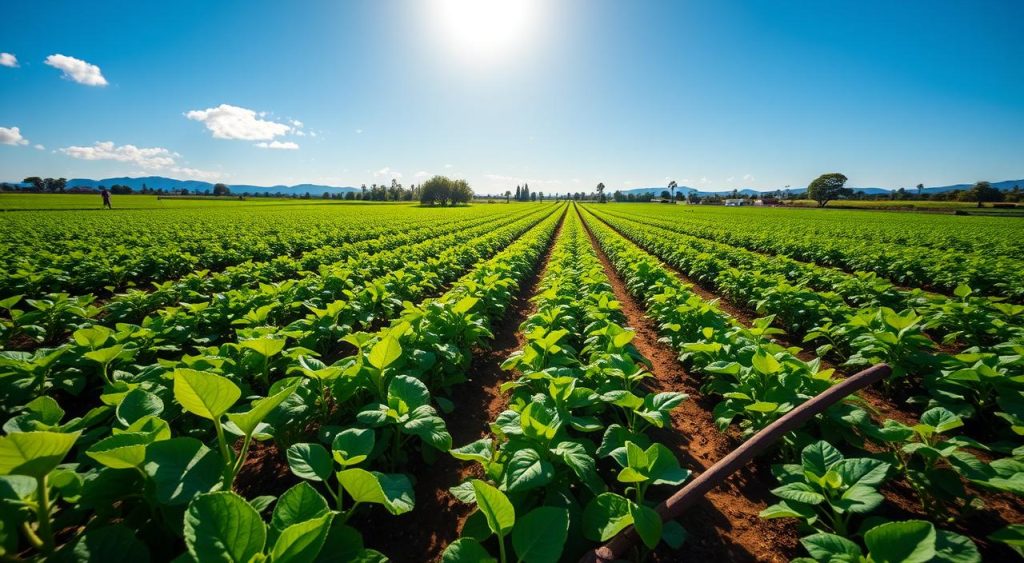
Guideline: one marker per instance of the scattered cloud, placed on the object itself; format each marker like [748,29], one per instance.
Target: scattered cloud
[40,148]
[387,173]
[149,159]
[447,165]
[282,145]
[232,122]
[77,70]
[748,177]
[8,60]
[11,136]
[730,179]
[296,123]
[422,174]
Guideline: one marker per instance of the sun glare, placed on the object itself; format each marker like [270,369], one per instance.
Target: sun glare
[486,30]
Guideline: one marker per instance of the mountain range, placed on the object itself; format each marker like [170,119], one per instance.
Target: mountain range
[170,184]
[1005,185]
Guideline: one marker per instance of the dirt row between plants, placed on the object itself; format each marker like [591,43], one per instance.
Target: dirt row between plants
[422,535]
[725,525]
[1000,509]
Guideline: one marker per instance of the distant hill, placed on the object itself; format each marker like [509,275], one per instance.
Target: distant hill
[169,184]
[1005,185]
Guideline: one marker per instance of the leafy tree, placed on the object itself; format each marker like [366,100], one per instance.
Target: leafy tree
[461,192]
[36,181]
[508,194]
[672,188]
[221,189]
[441,189]
[827,187]
[600,192]
[983,191]
[665,194]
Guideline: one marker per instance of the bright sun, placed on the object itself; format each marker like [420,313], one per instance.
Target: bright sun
[486,30]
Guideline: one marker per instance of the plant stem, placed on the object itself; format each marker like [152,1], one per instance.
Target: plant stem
[241,458]
[501,547]
[43,513]
[225,453]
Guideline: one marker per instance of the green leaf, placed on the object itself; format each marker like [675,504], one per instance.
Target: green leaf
[942,419]
[912,541]
[261,408]
[310,461]
[424,422]
[385,352]
[647,523]
[765,363]
[353,445]
[265,347]
[606,515]
[181,468]
[407,393]
[466,550]
[481,450]
[527,470]
[92,337]
[298,504]
[830,547]
[539,537]
[962,291]
[34,454]
[392,491]
[819,457]
[301,542]
[204,394]
[136,404]
[673,534]
[221,526]
[123,451]
[495,506]
[799,492]
[104,356]
[465,305]
[954,548]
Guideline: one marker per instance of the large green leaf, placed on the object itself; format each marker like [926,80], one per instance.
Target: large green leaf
[265,347]
[34,454]
[406,393]
[385,352]
[393,491]
[539,537]
[136,404]
[204,394]
[109,544]
[606,515]
[466,550]
[298,504]
[122,451]
[310,461]
[647,523]
[495,506]
[353,445]
[481,450]
[221,526]
[424,422]
[819,457]
[526,470]
[181,468]
[301,542]
[912,541]
[248,421]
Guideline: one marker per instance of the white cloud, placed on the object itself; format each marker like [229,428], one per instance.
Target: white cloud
[8,60]
[40,147]
[297,124]
[748,177]
[387,173]
[730,179]
[77,70]
[150,159]
[422,174]
[521,180]
[447,165]
[285,145]
[232,122]
[11,136]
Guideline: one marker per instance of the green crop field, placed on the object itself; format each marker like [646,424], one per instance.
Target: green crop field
[304,380]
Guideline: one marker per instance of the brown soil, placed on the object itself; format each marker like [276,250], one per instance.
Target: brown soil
[421,535]
[725,525]
[265,471]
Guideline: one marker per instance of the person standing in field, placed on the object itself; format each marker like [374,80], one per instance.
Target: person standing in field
[106,198]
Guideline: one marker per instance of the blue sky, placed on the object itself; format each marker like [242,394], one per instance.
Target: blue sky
[563,94]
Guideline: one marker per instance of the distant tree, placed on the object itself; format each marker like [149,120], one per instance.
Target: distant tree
[221,189]
[36,182]
[827,187]
[508,195]
[983,191]
[461,192]
[665,194]
[362,192]
[600,192]
[920,189]
[437,190]
[533,196]
[672,188]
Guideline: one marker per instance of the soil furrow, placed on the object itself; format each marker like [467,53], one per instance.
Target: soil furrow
[725,525]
